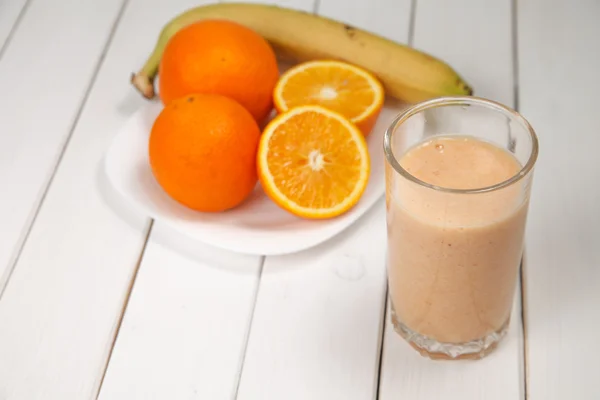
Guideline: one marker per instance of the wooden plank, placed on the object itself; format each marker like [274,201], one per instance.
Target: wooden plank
[44,74]
[317,324]
[184,331]
[318,318]
[475,38]
[559,60]
[10,12]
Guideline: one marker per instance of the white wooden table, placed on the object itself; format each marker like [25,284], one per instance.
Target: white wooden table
[97,301]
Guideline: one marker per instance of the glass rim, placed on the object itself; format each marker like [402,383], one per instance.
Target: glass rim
[453,101]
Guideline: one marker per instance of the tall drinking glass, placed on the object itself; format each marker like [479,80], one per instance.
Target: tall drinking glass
[458,179]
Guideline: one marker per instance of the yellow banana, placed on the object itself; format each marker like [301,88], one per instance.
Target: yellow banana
[407,74]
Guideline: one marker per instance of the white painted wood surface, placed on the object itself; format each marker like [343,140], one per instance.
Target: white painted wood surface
[317,324]
[184,332]
[45,71]
[485,59]
[559,60]
[199,323]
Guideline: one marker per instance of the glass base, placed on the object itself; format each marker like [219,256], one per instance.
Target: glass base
[428,347]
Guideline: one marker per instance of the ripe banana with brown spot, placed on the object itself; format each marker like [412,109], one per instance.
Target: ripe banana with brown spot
[407,74]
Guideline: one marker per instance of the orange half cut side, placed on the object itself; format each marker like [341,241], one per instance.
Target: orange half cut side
[313,162]
[338,86]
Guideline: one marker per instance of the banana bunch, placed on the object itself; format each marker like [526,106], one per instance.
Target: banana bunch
[407,74]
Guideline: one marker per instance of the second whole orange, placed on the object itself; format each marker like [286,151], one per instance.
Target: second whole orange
[222,57]
[202,152]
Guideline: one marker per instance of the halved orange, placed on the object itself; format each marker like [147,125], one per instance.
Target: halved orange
[341,87]
[313,162]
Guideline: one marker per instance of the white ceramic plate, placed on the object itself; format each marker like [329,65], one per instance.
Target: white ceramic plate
[257,226]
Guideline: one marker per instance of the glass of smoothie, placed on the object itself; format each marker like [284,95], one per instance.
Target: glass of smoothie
[458,179]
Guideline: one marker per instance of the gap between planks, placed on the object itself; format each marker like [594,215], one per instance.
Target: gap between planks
[523,316]
[26,230]
[381,344]
[412,21]
[238,377]
[384,320]
[515,52]
[522,273]
[124,308]
[14,27]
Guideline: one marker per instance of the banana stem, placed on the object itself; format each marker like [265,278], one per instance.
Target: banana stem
[143,80]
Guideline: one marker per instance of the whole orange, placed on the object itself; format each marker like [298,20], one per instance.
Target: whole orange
[223,57]
[202,151]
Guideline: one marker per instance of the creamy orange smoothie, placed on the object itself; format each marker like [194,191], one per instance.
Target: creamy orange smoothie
[454,257]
